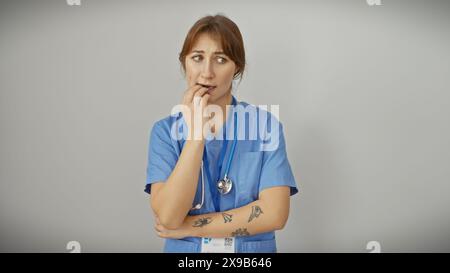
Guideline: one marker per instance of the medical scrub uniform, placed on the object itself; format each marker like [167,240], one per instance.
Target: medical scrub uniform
[252,170]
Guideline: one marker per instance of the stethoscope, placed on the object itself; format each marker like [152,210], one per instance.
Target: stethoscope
[225,184]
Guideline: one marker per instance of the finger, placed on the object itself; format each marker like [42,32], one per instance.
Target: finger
[201,92]
[198,96]
[204,100]
[188,96]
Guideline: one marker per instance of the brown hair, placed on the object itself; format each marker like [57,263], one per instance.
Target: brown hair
[223,30]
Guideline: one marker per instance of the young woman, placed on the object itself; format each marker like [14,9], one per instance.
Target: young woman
[224,190]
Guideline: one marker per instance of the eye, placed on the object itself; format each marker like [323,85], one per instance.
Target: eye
[196,58]
[221,60]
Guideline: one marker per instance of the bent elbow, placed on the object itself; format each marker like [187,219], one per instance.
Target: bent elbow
[170,222]
[280,225]
[280,222]
[167,217]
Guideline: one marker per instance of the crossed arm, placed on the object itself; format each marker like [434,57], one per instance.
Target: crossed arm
[270,212]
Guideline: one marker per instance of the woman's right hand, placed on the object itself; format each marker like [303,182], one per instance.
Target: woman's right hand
[195,99]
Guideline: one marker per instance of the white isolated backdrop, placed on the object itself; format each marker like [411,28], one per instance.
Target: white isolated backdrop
[363,96]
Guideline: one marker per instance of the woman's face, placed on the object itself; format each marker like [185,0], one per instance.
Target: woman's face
[206,64]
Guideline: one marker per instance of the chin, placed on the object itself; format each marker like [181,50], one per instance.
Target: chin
[216,96]
[212,99]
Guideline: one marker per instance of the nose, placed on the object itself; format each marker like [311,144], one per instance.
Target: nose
[207,70]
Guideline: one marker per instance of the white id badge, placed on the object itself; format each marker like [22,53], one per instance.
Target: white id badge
[218,245]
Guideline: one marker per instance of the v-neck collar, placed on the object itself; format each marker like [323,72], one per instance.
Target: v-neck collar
[226,125]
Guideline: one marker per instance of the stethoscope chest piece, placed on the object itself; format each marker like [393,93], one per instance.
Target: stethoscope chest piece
[224,185]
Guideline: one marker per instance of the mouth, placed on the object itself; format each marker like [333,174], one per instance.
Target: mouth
[210,87]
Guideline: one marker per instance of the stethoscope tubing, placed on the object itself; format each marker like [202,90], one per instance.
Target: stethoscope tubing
[200,205]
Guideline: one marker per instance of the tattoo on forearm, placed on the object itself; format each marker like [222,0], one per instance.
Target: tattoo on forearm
[256,211]
[202,222]
[240,232]
[227,217]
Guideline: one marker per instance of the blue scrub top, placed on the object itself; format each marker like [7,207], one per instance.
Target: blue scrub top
[257,164]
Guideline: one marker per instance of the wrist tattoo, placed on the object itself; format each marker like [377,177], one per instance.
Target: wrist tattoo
[202,222]
[227,217]
[240,232]
[256,211]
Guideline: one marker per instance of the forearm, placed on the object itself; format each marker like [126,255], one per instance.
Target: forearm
[174,200]
[253,218]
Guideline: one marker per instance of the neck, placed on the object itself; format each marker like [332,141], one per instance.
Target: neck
[222,102]
[227,99]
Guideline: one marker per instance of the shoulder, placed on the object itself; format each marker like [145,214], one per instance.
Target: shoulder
[265,114]
[163,126]
[265,131]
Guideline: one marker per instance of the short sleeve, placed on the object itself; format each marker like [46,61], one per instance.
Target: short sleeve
[276,170]
[162,156]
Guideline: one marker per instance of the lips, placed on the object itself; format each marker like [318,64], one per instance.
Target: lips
[210,87]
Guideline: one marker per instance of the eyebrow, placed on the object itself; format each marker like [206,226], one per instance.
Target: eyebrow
[201,51]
